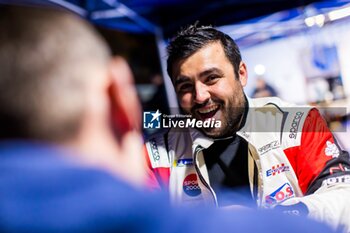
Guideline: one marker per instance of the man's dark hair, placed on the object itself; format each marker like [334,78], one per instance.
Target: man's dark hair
[193,38]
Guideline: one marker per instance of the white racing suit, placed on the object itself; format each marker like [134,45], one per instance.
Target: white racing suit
[292,157]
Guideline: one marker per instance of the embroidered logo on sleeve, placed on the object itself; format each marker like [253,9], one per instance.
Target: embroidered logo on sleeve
[284,192]
[332,150]
[277,169]
[183,162]
[157,154]
[190,185]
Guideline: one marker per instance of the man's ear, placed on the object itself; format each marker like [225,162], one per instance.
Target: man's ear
[243,74]
[125,106]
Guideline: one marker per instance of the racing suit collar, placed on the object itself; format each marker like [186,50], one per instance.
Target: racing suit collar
[200,139]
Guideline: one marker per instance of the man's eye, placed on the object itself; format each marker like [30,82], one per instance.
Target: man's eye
[184,87]
[212,78]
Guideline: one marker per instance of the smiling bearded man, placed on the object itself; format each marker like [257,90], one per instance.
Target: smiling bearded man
[209,87]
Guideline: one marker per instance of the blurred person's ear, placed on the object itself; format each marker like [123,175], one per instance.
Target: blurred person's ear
[126,120]
[125,109]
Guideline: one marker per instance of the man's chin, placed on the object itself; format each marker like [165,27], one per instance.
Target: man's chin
[213,132]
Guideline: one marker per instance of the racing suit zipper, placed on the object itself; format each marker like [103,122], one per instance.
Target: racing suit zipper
[204,182]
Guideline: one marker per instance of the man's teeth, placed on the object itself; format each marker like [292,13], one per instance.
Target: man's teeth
[207,110]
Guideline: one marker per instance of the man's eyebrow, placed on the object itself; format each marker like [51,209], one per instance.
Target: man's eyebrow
[180,80]
[209,71]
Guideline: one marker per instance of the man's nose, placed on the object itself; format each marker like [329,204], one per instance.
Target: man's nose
[201,93]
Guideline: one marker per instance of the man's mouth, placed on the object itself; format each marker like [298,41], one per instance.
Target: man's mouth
[208,112]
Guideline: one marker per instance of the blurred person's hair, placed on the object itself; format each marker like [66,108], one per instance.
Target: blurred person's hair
[46,58]
[193,38]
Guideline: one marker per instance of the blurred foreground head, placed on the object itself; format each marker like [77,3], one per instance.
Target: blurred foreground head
[60,85]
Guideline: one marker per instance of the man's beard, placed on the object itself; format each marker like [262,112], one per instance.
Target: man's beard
[232,119]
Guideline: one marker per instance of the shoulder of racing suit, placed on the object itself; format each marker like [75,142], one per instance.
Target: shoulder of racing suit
[321,168]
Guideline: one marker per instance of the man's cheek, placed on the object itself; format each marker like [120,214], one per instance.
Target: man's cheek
[185,104]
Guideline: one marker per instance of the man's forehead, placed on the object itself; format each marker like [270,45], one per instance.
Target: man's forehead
[205,58]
